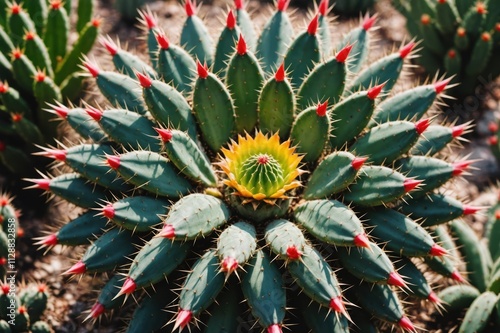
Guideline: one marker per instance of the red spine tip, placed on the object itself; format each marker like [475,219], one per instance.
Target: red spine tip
[375,91]
[109,211]
[438,251]
[280,73]
[29,35]
[165,134]
[231,20]
[58,154]
[40,76]
[16,117]
[485,37]
[460,167]
[128,287]
[497,214]
[96,22]
[50,240]
[411,184]
[183,319]
[113,161]
[17,53]
[190,8]
[239,4]
[457,131]
[61,111]
[150,21]
[343,54]
[274,328]
[481,8]
[493,127]
[406,324]
[396,280]
[452,54]
[461,32]
[321,109]
[56,4]
[110,46]
[283,5]
[92,68]
[97,310]
[3,87]
[441,85]
[425,19]
[167,231]
[406,50]
[144,80]
[456,276]
[358,162]
[293,253]
[313,26]
[202,70]
[76,269]
[5,289]
[43,184]
[163,41]
[96,114]
[433,298]
[241,48]
[323,7]
[229,265]
[493,140]
[422,125]
[337,305]
[15,9]
[469,210]
[362,240]
[369,22]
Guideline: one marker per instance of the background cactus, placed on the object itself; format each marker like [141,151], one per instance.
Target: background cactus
[129,9]
[37,67]
[262,158]
[460,38]
[10,231]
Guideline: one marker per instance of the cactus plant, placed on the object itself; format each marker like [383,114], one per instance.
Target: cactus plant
[36,68]
[10,231]
[129,9]
[258,148]
[23,307]
[481,298]
[460,38]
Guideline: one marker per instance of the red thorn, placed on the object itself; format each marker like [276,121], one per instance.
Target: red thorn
[190,8]
[20,232]
[323,7]
[241,48]
[22,309]
[110,46]
[29,35]
[493,140]
[62,111]
[96,114]
[485,37]
[274,328]
[362,240]
[165,134]
[231,20]
[92,68]
[457,277]
[202,70]
[229,265]
[406,324]
[50,240]
[239,4]
[58,154]
[42,287]
[469,210]
[369,22]
[410,184]
[337,305]
[457,131]
[162,41]
[183,319]
[76,269]
[293,253]
[3,261]
[280,73]
[406,50]
[4,201]
[461,32]
[358,162]
[3,87]
[321,109]
[15,9]
[128,287]
[282,5]
[425,19]
[150,21]
[375,91]
[5,289]
[40,76]
[460,167]
[493,127]
[422,125]
[56,4]
[497,214]
[97,310]
[441,85]
[96,22]
[17,117]
[437,251]
[113,161]
[313,26]
[167,231]
[109,211]
[43,184]
[481,8]
[396,280]
[144,80]
[452,54]
[343,54]
[17,53]
[433,298]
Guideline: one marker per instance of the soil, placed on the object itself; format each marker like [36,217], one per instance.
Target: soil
[71,298]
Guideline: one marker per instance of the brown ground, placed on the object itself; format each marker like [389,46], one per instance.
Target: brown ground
[71,298]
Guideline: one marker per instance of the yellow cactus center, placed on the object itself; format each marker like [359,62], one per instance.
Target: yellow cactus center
[261,167]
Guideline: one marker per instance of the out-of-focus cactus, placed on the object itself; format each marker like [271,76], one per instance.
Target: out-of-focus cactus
[129,9]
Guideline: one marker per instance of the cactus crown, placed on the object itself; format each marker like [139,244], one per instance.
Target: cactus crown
[264,110]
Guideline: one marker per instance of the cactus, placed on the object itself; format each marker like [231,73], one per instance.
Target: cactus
[263,169]
[9,233]
[460,38]
[36,68]
[129,9]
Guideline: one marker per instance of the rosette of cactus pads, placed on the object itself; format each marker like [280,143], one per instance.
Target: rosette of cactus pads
[243,166]
[460,38]
[38,66]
